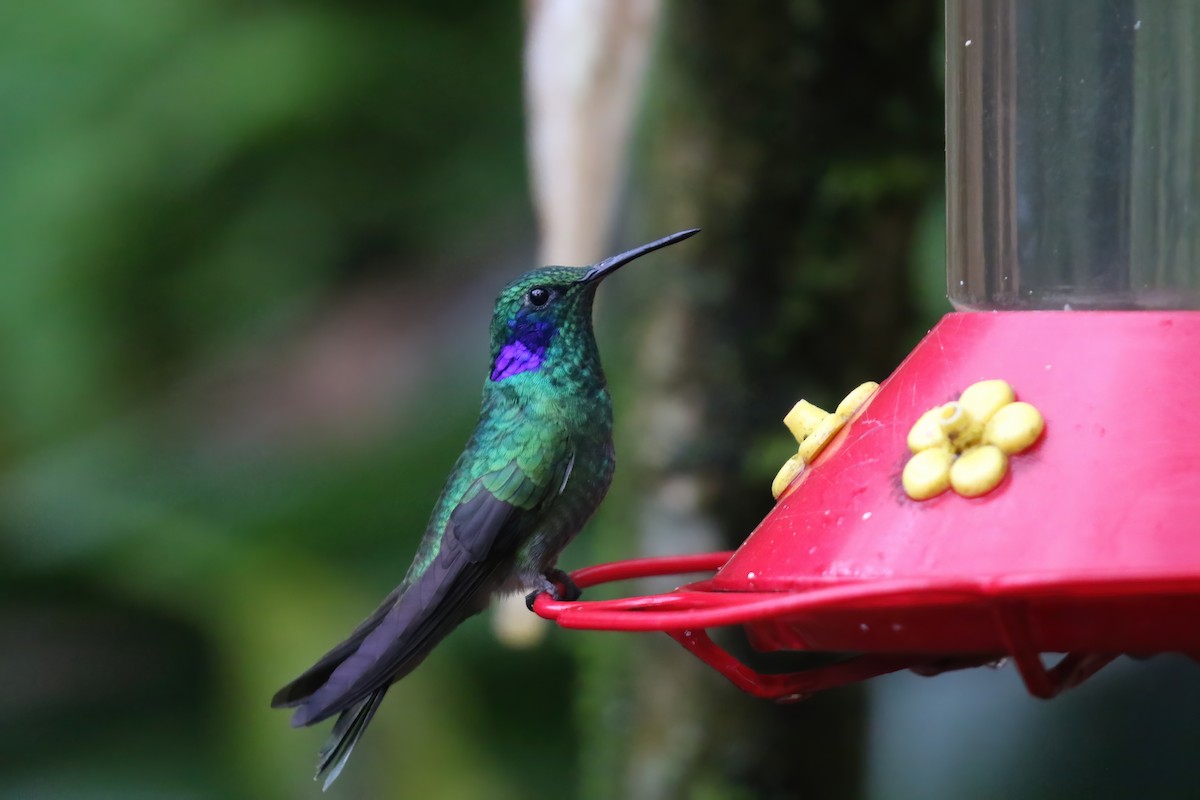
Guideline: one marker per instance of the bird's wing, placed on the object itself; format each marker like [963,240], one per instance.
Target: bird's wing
[300,689]
[481,537]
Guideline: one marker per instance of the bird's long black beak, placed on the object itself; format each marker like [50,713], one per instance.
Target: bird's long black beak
[611,265]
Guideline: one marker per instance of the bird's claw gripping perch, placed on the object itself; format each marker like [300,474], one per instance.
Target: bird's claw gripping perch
[558,585]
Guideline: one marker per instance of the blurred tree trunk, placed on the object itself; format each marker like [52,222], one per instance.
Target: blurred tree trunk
[804,138]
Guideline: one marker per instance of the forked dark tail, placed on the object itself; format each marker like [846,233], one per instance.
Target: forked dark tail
[346,732]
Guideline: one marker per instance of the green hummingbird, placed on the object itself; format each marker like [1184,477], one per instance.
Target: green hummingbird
[534,470]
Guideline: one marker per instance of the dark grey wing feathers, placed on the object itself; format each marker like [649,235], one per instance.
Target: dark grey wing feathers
[315,676]
[480,541]
[480,526]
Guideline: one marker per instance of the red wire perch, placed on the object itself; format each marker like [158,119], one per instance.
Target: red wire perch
[684,614]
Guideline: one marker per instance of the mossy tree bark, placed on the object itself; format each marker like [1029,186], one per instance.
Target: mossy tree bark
[804,138]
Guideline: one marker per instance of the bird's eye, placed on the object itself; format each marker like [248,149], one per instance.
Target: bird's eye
[538,296]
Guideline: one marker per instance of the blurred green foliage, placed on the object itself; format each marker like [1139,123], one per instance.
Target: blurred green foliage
[196,197]
[178,176]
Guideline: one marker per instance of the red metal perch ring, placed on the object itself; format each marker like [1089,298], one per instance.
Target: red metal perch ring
[686,613]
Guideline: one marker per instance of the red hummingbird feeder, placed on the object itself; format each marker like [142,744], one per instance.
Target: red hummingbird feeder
[1073,188]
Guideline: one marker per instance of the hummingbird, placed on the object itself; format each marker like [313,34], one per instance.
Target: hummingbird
[534,470]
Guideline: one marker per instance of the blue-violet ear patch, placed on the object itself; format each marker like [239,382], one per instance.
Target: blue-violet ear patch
[515,358]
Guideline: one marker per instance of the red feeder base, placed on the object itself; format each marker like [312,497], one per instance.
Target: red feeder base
[1089,546]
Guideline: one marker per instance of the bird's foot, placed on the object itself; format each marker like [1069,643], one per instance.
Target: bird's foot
[558,585]
[569,591]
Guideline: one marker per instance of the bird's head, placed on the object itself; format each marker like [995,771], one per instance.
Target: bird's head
[551,307]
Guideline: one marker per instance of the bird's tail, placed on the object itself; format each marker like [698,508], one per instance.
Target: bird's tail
[346,732]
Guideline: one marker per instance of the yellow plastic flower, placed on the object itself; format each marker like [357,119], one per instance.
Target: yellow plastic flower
[965,444]
[813,428]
